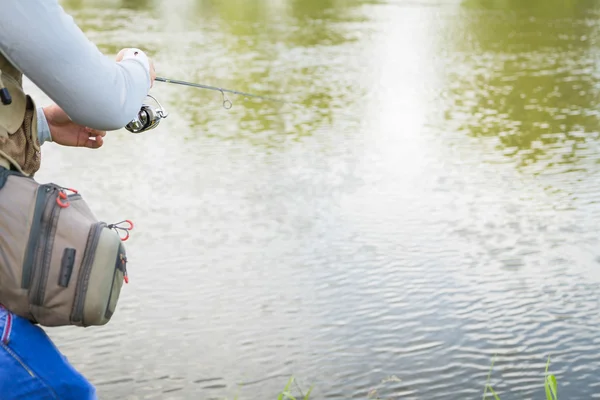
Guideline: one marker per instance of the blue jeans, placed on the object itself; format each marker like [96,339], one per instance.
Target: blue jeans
[31,367]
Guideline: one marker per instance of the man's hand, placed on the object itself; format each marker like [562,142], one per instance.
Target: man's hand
[67,133]
[152,71]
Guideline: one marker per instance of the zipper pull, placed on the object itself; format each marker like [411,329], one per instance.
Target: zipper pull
[62,194]
[124,268]
[118,228]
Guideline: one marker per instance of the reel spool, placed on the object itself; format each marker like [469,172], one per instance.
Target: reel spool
[148,117]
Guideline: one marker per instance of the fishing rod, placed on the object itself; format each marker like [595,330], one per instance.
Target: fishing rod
[198,85]
[149,117]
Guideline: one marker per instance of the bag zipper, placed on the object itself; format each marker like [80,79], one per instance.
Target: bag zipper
[46,255]
[41,202]
[84,273]
[120,265]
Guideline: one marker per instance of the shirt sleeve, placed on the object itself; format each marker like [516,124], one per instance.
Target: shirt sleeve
[45,43]
[43,129]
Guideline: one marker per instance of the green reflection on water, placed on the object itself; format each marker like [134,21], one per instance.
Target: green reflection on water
[288,53]
[294,51]
[531,79]
[72,5]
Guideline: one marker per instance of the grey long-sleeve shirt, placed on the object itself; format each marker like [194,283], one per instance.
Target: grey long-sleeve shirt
[46,44]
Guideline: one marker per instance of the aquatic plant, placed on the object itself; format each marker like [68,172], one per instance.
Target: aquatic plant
[550,387]
[286,395]
[550,384]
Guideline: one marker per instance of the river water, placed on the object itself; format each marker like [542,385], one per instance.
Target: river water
[429,202]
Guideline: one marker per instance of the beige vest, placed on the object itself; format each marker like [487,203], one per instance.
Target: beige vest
[19,143]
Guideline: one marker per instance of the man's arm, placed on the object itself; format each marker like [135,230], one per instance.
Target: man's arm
[44,42]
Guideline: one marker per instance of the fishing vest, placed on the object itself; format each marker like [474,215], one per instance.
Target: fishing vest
[19,143]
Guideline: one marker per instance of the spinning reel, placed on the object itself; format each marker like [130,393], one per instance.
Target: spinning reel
[147,118]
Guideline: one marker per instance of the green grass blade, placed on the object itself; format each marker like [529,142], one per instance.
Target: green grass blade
[550,384]
[285,394]
[551,388]
[289,384]
[548,393]
[554,386]
[308,393]
[494,393]
[488,378]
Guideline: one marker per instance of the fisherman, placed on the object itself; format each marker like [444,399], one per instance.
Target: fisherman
[91,94]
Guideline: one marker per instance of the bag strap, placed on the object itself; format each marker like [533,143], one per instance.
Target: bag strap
[5,173]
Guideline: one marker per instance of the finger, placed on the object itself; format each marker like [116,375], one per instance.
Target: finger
[95,132]
[94,143]
[121,54]
[152,73]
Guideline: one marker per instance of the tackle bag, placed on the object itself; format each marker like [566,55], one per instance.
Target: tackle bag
[59,265]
